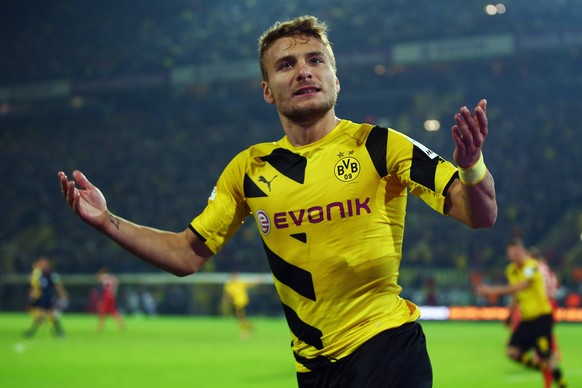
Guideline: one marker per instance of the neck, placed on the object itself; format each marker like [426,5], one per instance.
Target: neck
[300,133]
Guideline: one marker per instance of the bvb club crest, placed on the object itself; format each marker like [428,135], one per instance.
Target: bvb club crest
[347,169]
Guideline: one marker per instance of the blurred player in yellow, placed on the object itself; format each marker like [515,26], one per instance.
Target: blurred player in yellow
[552,284]
[43,284]
[237,296]
[535,328]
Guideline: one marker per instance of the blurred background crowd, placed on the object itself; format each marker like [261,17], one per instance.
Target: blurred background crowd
[151,100]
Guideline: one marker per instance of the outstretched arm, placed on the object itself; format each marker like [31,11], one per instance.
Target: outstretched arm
[505,289]
[180,253]
[471,199]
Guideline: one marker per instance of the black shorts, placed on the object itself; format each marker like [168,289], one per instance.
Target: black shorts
[535,334]
[44,302]
[395,358]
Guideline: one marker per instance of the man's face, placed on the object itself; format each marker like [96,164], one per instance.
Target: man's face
[42,263]
[302,81]
[516,254]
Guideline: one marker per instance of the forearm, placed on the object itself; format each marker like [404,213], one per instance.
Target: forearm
[480,204]
[500,290]
[178,253]
[505,289]
[474,205]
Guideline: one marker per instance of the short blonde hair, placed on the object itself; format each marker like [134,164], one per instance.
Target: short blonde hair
[302,26]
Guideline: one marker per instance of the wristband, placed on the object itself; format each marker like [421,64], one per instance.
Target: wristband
[474,174]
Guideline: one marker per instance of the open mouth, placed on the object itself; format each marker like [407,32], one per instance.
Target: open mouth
[306,90]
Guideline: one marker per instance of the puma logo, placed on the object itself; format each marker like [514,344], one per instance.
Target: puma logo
[268,183]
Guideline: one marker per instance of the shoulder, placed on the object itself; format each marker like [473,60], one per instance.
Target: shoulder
[254,152]
[532,263]
[262,149]
[377,138]
[372,133]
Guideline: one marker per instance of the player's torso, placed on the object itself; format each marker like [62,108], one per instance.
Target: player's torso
[332,229]
[533,300]
[237,290]
[47,283]
[109,286]
[327,196]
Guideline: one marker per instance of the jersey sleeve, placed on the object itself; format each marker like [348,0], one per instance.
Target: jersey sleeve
[226,208]
[426,174]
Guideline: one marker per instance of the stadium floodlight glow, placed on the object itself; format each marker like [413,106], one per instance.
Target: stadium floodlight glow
[432,125]
[498,9]
[490,9]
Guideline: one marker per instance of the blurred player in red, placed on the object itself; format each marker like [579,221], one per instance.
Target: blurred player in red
[552,286]
[107,303]
[550,278]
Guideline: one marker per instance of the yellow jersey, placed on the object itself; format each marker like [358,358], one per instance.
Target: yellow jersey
[533,301]
[331,218]
[236,290]
[36,283]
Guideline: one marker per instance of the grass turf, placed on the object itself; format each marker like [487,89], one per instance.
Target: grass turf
[207,352]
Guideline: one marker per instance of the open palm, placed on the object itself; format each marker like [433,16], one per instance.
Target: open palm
[87,201]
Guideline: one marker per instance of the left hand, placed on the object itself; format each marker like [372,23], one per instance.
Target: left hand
[469,133]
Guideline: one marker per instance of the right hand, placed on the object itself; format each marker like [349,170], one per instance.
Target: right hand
[87,201]
[483,289]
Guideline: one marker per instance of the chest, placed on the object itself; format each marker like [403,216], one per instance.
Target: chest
[339,176]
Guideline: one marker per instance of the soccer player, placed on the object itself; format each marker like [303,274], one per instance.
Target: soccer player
[236,295]
[535,327]
[44,282]
[107,303]
[551,284]
[329,200]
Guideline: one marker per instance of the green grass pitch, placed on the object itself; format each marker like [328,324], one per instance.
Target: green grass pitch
[207,352]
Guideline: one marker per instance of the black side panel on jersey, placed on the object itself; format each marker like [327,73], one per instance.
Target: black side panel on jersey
[287,163]
[376,145]
[300,237]
[251,190]
[304,332]
[423,168]
[298,279]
